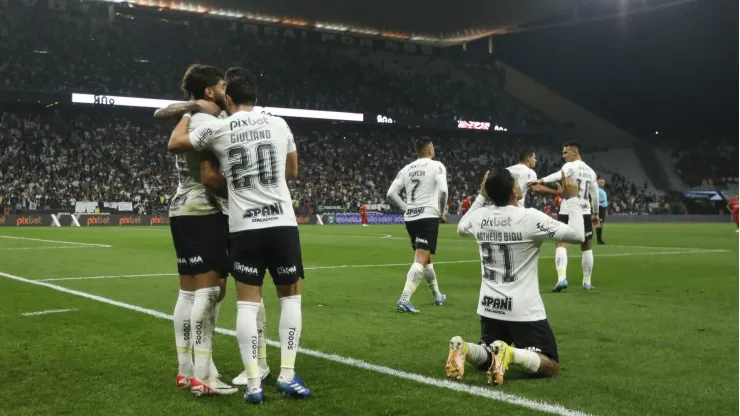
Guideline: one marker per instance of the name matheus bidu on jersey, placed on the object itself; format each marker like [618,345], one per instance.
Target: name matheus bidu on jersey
[252,150]
[425,183]
[509,240]
[192,197]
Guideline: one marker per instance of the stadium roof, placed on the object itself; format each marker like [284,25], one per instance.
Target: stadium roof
[431,22]
[439,22]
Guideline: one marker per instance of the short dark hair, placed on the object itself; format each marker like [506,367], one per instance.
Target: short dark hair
[199,77]
[524,154]
[421,143]
[499,187]
[237,72]
[242,89]
[575,144]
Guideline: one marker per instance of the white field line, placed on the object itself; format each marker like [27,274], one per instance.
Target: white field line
[468,240]
[360,266]
[55,241]
[487,393]
[51,248]
[46,312]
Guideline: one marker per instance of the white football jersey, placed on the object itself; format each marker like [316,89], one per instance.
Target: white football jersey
[522,175]
[192,197]
[425,182]
[585,177]
[252,150]
[509,240]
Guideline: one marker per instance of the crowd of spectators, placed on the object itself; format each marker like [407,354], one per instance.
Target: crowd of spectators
[56,157]
[143,55]
[705,161]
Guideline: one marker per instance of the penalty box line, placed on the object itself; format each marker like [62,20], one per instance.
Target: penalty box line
[363,266]
[487,393]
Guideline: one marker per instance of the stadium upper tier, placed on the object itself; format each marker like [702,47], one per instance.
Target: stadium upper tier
[144,55]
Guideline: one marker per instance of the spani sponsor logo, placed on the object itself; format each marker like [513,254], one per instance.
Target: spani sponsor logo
[497,305]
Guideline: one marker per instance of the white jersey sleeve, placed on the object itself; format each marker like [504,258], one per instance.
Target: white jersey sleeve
[585,177]
[543,227]
[395,189]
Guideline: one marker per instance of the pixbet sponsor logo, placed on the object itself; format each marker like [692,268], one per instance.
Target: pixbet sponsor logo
[28,220]
[98,221]
[129,221]
[496,222]
[158,220]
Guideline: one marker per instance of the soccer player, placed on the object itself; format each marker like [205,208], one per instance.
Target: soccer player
[363,214]
[466,204]
[548,210]
[199,233]
[258,156]
[523,172]
[584,176]
[511,309]
[425,183]
[603,203]
[734,209]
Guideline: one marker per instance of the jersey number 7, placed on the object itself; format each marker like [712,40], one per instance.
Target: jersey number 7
[416,183]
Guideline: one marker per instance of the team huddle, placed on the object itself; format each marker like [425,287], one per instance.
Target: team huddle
[233,214]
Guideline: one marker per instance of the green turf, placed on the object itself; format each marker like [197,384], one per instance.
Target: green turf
[658,335]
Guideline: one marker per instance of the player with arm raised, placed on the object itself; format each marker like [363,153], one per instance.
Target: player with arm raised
[509,239]
[202,111]
[258,156]
[585,177]
[199,233]
[523,172]
[425,183]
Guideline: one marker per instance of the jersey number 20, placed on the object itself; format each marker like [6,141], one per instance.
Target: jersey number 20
[242,161]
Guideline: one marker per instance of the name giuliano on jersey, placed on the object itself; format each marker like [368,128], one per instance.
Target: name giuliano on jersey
[192,197]
[424,181]
[252,150]
[509,240]
[522,175]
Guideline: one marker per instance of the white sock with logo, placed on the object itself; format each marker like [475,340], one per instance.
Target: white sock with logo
[587,261]
[477,354]
[413,278]
[529,361]
[262,337]
[214,370]
[561,262]
[246,336]
[203,322]
[291,322]
[431,277]
[183,335]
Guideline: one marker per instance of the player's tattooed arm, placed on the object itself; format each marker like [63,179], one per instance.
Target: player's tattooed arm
[543,190]
[176,110]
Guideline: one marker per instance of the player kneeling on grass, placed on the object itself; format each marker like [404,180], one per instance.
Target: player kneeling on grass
[511,310]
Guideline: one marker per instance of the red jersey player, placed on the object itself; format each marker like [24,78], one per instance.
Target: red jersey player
[466,204]
[558,200]
[363,215]
[735,209]
[548,210]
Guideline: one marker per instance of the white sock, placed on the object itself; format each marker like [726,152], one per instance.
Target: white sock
[290,334]
[587,261]
[413,278]
[246,335]
[262,337]
[477,354]
[203,321]
[431,277]
[561,262]
[529,361]
[214,370]
[183,336]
